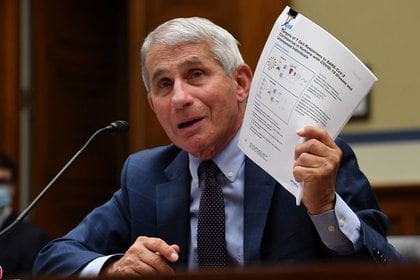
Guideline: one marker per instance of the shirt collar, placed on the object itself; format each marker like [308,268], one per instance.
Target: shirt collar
[229,160]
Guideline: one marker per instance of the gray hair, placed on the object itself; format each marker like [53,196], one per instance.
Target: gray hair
[192,30]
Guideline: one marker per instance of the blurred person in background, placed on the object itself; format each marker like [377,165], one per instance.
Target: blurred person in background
[18,248]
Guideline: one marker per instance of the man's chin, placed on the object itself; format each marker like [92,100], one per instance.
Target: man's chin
[198,150]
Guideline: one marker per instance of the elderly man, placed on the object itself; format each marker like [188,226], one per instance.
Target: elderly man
[171,213]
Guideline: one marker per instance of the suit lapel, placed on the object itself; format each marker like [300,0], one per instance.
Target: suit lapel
[172,204]
[259,188]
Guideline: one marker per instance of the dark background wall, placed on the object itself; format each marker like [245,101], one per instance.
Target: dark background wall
[85,73]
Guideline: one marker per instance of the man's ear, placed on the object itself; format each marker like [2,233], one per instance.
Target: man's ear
[243,78]
[150,100]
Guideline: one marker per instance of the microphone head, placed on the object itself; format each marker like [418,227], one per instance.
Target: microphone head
[118,126]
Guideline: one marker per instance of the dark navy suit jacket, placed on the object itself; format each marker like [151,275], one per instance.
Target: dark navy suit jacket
[154,201]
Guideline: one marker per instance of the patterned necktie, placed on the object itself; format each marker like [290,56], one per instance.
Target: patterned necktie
[211,243]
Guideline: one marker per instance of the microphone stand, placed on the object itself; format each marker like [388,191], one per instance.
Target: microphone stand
[118,126]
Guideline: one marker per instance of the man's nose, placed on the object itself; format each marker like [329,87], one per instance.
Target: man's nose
[182,97]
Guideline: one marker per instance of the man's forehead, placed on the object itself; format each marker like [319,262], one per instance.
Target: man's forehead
[183,62]
[162,59]
[159,53]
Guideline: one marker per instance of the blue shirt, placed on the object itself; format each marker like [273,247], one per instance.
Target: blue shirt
[231,162]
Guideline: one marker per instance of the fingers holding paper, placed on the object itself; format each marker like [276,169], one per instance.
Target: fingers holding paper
[317,160]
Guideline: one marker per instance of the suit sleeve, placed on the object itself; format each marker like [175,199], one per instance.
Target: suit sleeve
[104,231]
[354,188]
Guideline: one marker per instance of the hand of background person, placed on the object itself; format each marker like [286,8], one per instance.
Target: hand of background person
[146,256]
[317,161]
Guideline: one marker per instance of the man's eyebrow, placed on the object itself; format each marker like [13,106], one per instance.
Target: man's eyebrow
[191,61]
[194,60]
[157,73]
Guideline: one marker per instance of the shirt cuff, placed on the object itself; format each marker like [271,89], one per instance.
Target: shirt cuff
[93,268]
[339,228]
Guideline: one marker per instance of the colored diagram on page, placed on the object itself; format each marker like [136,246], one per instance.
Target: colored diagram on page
[283,83]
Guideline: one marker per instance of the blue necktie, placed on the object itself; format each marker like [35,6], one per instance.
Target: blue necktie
[211,243]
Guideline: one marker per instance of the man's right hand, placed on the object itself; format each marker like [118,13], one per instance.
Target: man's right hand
[146,256]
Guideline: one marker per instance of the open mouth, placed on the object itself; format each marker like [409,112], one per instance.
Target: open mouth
[189,123]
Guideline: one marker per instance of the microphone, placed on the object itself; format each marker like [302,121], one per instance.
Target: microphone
[116,126]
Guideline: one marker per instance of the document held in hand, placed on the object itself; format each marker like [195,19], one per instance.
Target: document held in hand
[304,76]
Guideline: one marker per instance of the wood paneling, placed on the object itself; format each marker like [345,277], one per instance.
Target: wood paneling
[402,206]
[86,73]
[9,80]
[79,85]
